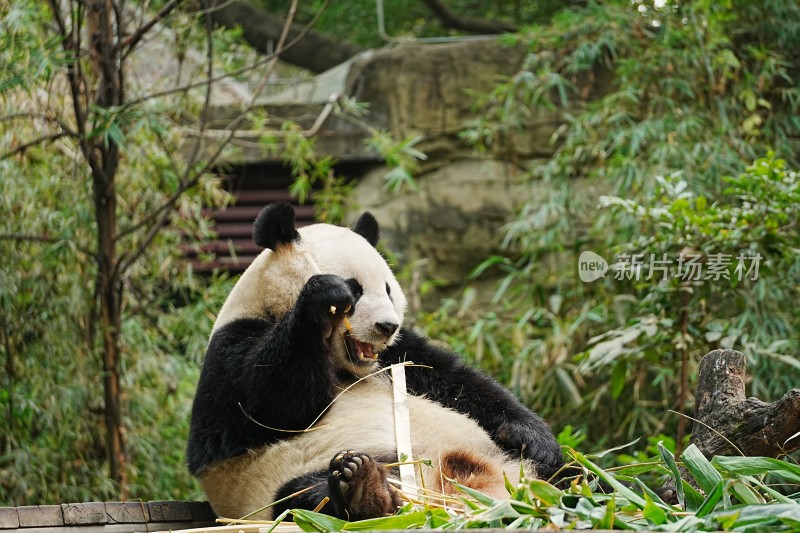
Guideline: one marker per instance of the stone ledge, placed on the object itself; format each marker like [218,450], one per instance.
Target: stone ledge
[83,514]
[106,517]
[40,516]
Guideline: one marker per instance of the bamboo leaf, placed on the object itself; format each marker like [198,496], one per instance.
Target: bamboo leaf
[712,499]
[402,521]
[476,494]
[611,480]
[750,466]
[545,492]
[701,469]
[311,521]
[742,516]
[652,512]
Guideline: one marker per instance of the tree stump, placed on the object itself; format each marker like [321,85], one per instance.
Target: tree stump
[728,423]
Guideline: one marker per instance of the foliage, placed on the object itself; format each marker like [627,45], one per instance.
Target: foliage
[52,444]
[662,105]
[356,19]
[53,337]
[681,96]
[749,236]
[52,429]
[732,497]
[313,174]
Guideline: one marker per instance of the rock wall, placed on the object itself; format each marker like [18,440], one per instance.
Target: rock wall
[453,222]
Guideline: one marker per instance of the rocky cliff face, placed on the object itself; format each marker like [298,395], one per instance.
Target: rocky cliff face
[451,223]
[426,91]
[454,220]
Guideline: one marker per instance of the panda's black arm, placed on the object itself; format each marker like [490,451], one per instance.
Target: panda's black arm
[234,408]
[453,384]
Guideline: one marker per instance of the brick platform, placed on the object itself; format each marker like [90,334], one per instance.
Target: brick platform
[106,517]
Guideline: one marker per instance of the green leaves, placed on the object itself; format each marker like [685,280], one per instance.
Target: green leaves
[727,504]
[401,156]
[756,466]
[701,469]
[676,101]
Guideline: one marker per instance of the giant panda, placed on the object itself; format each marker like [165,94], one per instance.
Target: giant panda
[289,399]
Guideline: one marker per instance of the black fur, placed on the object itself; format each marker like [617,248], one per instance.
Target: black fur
[254,369]
[450,382]
[367,227]
[317,482]
[255,381]
[314,487]
[274,226]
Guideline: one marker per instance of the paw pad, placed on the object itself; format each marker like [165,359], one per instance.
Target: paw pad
[358,486]
[345,468]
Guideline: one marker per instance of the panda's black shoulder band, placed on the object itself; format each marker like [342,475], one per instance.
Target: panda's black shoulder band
[367,227]
[275,226]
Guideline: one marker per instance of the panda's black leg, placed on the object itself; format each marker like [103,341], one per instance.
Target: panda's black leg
[305,492]
[355,483]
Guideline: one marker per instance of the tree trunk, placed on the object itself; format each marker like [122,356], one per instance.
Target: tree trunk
[110,293]
[727,423]
[103,158]
[731,424]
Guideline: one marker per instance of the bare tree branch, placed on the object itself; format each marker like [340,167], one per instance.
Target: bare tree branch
[160,216]
[39,140]
[248,68]
[313,50]
[126,262]
[450,19]
[131,41]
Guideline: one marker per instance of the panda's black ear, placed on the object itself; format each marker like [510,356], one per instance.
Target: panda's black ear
[274,226]
[367,227]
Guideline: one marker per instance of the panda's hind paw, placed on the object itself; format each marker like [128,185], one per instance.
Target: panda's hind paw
[359,488]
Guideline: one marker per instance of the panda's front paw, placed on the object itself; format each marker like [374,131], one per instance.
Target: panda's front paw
[533,441]
[327,299]
[359,488]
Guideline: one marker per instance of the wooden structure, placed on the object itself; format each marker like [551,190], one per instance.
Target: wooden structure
[253,187]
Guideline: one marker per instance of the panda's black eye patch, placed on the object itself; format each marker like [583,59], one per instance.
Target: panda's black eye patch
[355,288]
[388,290]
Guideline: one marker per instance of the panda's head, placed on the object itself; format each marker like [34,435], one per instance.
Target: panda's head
[271,285]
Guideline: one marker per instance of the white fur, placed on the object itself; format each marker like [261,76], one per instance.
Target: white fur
[362,419]
[275,278]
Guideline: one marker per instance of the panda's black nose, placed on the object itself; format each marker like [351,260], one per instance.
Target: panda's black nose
[387,328]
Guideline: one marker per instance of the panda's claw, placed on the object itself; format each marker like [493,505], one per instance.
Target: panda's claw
[359,488]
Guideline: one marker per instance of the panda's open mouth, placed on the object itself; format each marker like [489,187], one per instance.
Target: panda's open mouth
[358,350]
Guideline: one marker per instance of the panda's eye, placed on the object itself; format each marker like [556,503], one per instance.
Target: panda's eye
[388,290]
[355,288]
